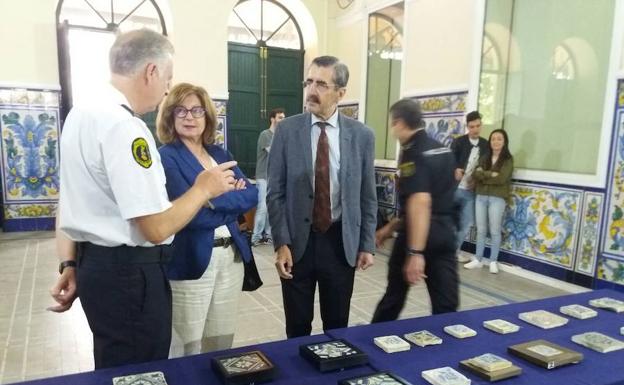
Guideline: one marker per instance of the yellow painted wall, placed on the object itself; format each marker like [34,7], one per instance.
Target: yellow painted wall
[198,31]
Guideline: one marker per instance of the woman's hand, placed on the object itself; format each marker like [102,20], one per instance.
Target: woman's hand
[240,184]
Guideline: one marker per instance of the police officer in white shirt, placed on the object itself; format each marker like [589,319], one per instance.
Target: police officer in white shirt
[115,220]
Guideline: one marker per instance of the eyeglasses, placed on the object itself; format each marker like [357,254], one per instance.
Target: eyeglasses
[319,84]
[196,112]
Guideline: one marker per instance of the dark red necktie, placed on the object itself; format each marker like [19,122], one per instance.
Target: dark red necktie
[322,203]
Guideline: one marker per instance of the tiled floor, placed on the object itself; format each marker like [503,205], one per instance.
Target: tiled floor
[35,343]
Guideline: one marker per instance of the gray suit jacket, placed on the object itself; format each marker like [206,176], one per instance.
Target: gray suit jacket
[290,196]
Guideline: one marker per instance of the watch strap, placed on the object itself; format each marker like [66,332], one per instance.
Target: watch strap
[65,264]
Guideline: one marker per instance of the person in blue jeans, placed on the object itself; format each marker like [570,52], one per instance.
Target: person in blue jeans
[467,150]
[262,228]
[493,186]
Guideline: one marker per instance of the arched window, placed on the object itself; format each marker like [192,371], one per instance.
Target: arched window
[86,31]
[563,67]
[264,23]
[491,81]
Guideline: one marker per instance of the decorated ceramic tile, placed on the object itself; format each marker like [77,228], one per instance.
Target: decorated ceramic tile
[220,106]
[385,179]
[614,231]
[244,363]
[443,103]
[445,129]
[332,349]
[587,250]
[541,223]
[30,154]
[221,131]
[349,109]
[611,269]
[153,378]
[33,210]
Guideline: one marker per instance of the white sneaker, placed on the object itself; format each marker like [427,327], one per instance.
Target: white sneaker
[463,258]
[474,264]
[493,267]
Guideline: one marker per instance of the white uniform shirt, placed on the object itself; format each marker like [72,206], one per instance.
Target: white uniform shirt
[333,137]
[107,176]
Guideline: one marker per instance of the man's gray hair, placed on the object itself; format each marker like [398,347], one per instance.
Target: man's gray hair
[341,71]
[133,50]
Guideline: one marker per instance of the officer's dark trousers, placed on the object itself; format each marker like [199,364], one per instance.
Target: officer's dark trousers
[324,262]
[127,302]
[440,269]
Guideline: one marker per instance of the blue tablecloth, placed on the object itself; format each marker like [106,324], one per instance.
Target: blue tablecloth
[596,368]
[196,370]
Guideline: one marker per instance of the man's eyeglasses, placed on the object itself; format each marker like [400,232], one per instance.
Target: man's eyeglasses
[196,112]
[319,84]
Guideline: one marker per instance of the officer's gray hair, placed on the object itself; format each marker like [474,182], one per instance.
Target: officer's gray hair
[341,71]
[135,49]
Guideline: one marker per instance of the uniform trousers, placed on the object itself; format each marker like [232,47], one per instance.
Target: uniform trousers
[440,269]
[323,262]
[126,297]
[205,309]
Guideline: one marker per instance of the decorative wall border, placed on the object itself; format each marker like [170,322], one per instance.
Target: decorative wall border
[541,223]
[589,233]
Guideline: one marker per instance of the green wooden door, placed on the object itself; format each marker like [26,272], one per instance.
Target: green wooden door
[260,79]
[243,107]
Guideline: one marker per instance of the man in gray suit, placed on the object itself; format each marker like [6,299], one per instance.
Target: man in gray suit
[322,201]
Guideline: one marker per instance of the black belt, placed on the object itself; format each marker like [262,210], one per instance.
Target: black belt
[123,254]
[223,242]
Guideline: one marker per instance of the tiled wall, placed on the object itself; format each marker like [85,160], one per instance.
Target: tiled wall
[221,134]
[562,229]
[29,148]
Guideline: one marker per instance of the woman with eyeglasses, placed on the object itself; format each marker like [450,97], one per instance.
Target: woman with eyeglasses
[493,188]
[206,271]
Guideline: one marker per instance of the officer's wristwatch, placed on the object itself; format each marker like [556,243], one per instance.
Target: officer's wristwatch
[411,251]
[65,264]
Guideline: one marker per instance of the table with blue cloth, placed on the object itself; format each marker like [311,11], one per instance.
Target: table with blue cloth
[596,368]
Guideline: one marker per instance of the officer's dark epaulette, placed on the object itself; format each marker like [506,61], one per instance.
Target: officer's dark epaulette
[436,151]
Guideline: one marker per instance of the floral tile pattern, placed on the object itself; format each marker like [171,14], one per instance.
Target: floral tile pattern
[541,223]
[589,233]
[221,130]
[444,115]
[29,152]
[610,269]
[351,110]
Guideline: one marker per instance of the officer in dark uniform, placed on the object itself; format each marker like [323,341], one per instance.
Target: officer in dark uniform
[425,247]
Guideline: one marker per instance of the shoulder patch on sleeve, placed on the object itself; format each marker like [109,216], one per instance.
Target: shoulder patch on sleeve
[407,169]
[140,152]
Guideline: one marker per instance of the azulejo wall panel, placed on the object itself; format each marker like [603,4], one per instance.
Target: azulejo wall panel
[29,132]
[611,269]
[349,109]
[614,230]
[589,236]
[444,115]
[385,179]
[541,223]
[221,129]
